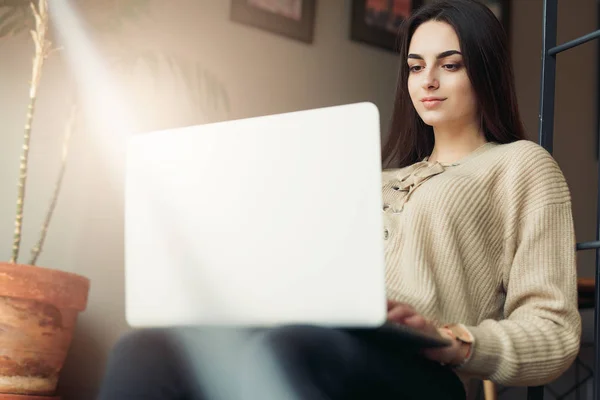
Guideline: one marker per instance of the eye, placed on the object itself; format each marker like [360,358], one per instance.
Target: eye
[415,68]
[451,67]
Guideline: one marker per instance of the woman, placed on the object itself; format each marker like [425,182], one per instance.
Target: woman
[479,248]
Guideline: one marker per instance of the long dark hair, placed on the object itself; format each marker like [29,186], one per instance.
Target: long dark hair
[484,46]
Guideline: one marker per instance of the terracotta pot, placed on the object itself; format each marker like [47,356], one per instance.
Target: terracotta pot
[38,313]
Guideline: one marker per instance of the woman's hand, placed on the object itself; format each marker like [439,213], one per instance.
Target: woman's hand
[404,314]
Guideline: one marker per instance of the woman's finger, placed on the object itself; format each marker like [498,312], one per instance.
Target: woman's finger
[400,312]
[416,321]
[391,304]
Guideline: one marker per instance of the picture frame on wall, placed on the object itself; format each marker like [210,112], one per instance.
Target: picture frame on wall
[294,19]
[376,22]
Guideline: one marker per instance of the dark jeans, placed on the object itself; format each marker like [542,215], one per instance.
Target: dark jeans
[296,362]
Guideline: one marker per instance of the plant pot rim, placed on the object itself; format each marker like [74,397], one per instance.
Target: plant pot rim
[62,289]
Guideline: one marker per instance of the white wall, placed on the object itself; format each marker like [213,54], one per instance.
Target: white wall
[262,72]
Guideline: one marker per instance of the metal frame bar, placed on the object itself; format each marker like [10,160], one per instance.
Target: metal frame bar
[546,139]
[596,395]
[574,43]
[547,89]
[589,245]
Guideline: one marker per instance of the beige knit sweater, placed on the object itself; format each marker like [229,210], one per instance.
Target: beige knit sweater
[488,242]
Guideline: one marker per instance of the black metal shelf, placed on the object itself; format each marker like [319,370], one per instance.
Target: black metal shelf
[546,139]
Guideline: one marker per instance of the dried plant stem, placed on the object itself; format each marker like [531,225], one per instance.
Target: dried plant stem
[35,252]
[42,49]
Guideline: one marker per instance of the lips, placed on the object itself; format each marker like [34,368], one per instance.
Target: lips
[432,102]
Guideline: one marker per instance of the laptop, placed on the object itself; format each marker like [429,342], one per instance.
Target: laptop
[259,222]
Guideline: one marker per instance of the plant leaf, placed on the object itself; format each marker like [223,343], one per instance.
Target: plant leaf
[206,92]
[9,28]
[15,16]
[14,3]
[11,12]
[109,17]
[7,22]
[133,9]
[20,28]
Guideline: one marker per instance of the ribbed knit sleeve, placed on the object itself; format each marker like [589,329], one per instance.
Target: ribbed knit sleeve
[539,336]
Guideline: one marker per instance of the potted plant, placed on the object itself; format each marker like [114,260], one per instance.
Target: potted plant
[39,306]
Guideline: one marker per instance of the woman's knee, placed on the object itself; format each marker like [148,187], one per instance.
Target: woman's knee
[304,340]
[139,357]
[307,360]
[145,351]
[142,342]
[304,350]
[296,334]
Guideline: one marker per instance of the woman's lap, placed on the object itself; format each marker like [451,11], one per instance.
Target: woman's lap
[295,362]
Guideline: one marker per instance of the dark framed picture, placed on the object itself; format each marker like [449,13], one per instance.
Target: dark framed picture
[292,18]
[377,22]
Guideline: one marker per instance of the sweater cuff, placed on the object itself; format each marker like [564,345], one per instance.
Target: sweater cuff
[485,353]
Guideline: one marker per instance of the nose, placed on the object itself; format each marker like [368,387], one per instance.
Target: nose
[430,79]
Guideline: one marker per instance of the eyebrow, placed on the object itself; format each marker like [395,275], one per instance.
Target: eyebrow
[443,54]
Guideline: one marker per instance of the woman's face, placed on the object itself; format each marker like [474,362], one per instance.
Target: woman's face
[438,84]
